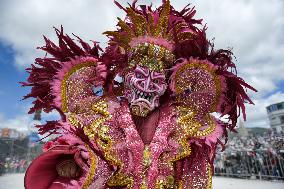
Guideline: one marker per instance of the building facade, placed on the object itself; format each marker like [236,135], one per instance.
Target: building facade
[276,116]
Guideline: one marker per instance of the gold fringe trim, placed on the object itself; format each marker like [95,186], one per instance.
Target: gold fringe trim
[209,172]
[93,164]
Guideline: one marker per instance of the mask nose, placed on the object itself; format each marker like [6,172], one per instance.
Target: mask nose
[144,84]
[148,83]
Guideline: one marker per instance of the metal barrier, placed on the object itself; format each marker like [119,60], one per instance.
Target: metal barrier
[260,164]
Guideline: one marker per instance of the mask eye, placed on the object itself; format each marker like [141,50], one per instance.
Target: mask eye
[156,81]
[139,75]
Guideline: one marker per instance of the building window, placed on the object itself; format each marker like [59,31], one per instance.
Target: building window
[282,119]
[275,107]
[279,106]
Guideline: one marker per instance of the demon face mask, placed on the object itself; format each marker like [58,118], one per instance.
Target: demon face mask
[143,89]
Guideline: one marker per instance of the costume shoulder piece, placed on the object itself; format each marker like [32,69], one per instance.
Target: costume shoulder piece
[65,78]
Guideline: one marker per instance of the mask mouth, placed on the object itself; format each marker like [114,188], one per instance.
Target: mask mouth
[142,102]
[147,97]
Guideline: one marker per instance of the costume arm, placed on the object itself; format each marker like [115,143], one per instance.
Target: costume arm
[44,170]
[63,80]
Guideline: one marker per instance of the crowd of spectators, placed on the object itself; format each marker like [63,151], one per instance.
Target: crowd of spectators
[15,154]
[257,156]
[13,165]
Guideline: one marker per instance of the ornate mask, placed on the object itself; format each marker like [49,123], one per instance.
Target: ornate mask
[143,89]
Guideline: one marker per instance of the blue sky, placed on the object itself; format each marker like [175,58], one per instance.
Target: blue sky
[253,28]
[11,93]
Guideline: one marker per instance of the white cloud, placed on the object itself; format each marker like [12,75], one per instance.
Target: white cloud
[20,122]
[24,121]
[24,22]
[257,115]
[254,28]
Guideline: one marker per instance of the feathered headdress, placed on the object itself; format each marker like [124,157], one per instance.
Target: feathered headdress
[158,38]
[149,37]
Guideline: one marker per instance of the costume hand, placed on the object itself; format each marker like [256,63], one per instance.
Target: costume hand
[68,169]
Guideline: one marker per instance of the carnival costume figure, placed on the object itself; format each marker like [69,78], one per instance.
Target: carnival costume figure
[153,129]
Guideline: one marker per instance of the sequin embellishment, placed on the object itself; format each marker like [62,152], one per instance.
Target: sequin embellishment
[64,87]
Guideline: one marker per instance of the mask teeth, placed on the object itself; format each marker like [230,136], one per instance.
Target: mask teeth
[140,94]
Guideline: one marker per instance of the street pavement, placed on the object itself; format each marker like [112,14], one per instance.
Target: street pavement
[16,181]
[230,183]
